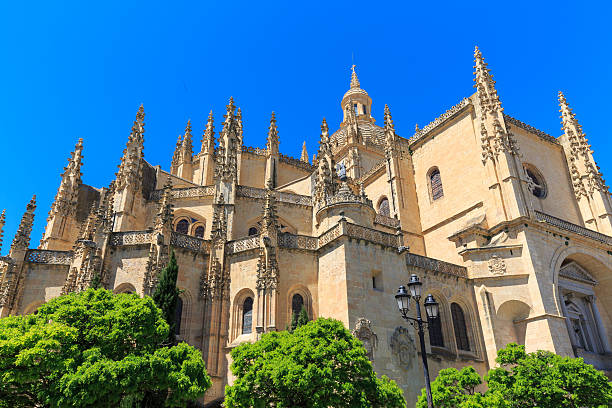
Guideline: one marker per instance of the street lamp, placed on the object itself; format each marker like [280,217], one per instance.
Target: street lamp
[431,309]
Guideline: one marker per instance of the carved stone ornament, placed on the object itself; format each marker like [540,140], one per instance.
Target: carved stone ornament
[403,346]
[363,331]
[497,266]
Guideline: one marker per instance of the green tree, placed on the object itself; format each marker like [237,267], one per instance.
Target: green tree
[540,379]
[320,364]
[166,295]
[299,319]
[95,349]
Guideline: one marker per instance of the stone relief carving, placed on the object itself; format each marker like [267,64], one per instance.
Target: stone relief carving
[497,266]
[363,331]
[403,346]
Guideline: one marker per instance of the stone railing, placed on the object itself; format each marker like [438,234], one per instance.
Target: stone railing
[131,238]
[439,120]
[241,245]
[250,192]
[386,221]
[436,265]
[292,198]
[283,197]
[372,235]
[293,241]
[342,196]
[254,150]
[373,170]
[185,241]
[188,192]
[296,162]
[529,128]
[43,256]
[577,229]
[329,235]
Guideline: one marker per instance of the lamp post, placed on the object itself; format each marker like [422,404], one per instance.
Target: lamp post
[431,309]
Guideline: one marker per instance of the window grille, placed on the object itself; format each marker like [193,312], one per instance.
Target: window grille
[182,226]
[199,232]
[435,182]
[435,332]
[461,334]
[247,316]
[297,302]
[383,207]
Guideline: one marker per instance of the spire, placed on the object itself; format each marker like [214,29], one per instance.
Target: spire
[130,167]
[230,144]
[485,85]
[89,226]
[571,127]
[389,132]
[187,146]
[354,79]
[165,212]
[67,193]
[176,157]
[208,140]
[2,222]
[269,219]
[304,157]
[325,175]
[22,237]
[272,142]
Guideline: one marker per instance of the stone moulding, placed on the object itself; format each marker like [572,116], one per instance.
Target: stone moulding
[189,192]
[241,245]
[43,256]
[281,196]
[373,170]
[304,242]
[530,129]
[254,150]
[576,229]
[431,264]
[184,241]
[386,221]
[131,238]
[292,241]
[454,110]
[296,162]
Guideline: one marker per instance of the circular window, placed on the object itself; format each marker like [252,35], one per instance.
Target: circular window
[535,182]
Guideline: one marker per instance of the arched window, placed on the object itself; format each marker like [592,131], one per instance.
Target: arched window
[535,181]
[435,184]
[199,231]
[182,226]
[435,332]
[461,333]
[178,314]
[247,316]
[253,231]
[383,207]
[297,302]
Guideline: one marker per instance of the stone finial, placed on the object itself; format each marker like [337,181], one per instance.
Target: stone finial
[187,145]
[165,212]
[2,222]
[354,79]
[304,156]
[272,141]
[22,237]
[208,140]
[416,128]
[324,131]
[130,168]
[485,85]
[176,157]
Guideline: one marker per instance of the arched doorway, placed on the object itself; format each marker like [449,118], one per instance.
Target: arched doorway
[584,284]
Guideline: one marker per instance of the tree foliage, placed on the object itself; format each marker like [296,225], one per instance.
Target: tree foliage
[540,379]
[320,364]
[299,319]
[95,349]
[166,294]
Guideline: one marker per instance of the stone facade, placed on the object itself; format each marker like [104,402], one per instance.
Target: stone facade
[508,227]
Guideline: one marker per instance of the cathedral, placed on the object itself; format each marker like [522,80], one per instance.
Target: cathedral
[509,228]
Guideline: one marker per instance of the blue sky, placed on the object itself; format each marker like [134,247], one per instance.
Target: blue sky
[81,69]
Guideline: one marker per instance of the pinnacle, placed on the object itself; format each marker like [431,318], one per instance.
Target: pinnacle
[230,106]
[388,120]
[354,79]
[304,156]
[140,115]
[188,128]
